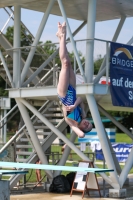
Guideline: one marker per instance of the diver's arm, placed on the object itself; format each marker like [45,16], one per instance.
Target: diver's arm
[73,124]
[74,127]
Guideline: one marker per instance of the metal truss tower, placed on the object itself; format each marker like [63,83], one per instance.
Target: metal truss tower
[96,95]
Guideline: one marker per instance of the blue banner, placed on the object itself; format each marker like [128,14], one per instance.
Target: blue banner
[121,150]
[121,74]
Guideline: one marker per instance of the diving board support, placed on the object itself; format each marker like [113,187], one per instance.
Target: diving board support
[66,153]
[85,181]
[60,135]
[103,140]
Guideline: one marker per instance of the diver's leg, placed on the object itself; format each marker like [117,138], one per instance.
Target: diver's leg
[67,75]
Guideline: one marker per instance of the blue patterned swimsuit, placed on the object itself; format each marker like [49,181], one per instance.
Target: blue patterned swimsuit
[69,100]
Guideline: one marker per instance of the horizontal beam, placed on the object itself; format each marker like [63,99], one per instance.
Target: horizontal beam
[51,91]
[53,167]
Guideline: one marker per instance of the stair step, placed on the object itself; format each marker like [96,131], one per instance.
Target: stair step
[40,127]
[27,153]
[54,115]
[43,133]
[51,120]
[54,109]
[24,146]
[26,140]
[22,160]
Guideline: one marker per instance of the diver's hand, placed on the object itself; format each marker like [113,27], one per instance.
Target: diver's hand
[70,108]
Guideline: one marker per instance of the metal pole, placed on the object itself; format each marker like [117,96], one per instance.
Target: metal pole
[107,62]
[99,75]
[45,76]
[119,27]
[72,40]
[89,69]
[50,58]
[37,38]
[102,138]
[118,124]
[130,41]
[40,69]
[5,127]
[6,69]
[65,154]
[9,113]
[6,23]
[1,130]
[33,135]
[16,62]
[114,39]
[104,189]
[126,169]
[54,75]
[75,63]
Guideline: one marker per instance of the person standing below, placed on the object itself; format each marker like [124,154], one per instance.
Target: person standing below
[73,107]
[38,173]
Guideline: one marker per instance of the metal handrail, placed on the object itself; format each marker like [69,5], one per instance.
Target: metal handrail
[8,113]
[49,44]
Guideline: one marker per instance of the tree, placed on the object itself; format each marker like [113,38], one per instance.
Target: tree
[25,38]
[97,63]
[3,92]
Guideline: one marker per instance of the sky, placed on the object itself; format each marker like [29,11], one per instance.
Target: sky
[103,30]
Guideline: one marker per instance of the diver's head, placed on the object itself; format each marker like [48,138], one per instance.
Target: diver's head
[85,125]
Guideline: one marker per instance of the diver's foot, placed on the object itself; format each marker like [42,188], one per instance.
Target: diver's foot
[64,28]
[61,30]
[58,34]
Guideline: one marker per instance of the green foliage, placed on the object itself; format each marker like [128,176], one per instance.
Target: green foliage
[49,48]
[26,39]
[9,34]
[3,92]
[97,63]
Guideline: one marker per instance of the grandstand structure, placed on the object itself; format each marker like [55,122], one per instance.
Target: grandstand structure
[32,88]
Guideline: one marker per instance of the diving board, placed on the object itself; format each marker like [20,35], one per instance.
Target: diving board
[53,167]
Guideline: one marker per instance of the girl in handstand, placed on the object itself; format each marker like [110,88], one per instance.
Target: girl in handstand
[73,107]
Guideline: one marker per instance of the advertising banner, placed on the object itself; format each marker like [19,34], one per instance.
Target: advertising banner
[121,150]
[121,74]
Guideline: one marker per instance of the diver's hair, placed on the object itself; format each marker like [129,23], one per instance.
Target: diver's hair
[87,131]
